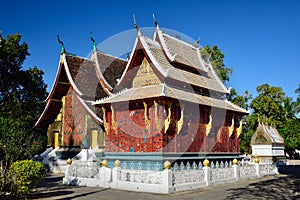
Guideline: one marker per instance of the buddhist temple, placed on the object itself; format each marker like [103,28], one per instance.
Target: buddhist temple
[267,143]
[164,103]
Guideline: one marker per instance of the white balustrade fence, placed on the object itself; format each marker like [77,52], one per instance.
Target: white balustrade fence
[182,176]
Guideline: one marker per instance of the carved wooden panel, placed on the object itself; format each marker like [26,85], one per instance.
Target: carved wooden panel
[145,75]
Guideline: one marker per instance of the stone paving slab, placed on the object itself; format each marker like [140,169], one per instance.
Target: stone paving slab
[283,186]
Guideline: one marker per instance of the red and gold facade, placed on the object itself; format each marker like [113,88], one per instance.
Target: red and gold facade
[165,125]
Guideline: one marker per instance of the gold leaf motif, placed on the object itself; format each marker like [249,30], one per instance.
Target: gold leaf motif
[146,118]
[180,122]
[105,121]
[168,119]
[208,126]
[113,121]
[239,129]
[231,128]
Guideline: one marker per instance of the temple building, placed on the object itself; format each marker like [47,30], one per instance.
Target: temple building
[268,144]
[164,103]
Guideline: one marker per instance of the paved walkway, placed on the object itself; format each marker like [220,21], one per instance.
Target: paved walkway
[283,186]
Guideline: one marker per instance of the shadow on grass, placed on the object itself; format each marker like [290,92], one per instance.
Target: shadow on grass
[286,186]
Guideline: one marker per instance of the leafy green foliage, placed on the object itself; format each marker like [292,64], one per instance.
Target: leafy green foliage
[22,93]
[23,176]
[290,132]
[239,100]
[268,103]
[216,57]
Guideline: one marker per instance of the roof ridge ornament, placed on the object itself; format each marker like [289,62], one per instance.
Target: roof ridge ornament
[155,21]
[136,26]
[63,49]
[196,44]
[94,42]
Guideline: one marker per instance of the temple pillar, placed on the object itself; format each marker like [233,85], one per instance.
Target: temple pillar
[56,136]
[94,139]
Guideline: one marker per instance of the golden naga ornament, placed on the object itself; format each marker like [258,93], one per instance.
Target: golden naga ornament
[231,128]
[180,122]
[168,119]
[104,120]
[239,129]
[113,120]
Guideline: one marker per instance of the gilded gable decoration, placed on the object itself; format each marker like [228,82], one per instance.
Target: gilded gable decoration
[145,75]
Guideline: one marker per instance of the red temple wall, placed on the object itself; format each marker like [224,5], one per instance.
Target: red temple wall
[133,135]
[74,120]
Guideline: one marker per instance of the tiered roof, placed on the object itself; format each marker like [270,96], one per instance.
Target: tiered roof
[87,78]
[266,134]
[184,74]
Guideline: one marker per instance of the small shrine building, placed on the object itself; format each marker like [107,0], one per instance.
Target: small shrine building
[268,144]
[164,103]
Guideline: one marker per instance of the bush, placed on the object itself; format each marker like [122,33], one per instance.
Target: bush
[23,176]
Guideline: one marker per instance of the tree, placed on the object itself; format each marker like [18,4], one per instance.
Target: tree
[268,104]
[240,100]
[298,99]
[290,133]
[21,102]
[273,107]
[216,57]
[289,108]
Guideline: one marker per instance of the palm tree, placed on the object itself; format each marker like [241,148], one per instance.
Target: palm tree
[298,99]
[290,108]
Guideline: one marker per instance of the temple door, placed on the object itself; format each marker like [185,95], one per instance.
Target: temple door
[56,135]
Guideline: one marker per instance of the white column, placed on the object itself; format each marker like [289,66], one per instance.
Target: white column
[236,171]
[115,177]
[257,167]
[207,175]
[167,181]
[84,155]
[105,177]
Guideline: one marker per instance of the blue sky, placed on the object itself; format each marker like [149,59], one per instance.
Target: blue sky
[260,39]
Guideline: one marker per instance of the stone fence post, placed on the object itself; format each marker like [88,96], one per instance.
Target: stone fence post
[236,169]
[167,178]
[105,174]
[206,169]
[257,166]
[67,172]
[116,174]
[66,179]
